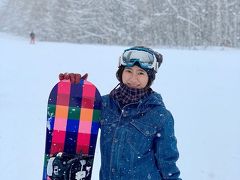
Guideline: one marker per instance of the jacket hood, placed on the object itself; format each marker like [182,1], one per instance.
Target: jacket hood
[154,99]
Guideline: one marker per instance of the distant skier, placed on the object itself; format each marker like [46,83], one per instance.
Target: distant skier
[32,38]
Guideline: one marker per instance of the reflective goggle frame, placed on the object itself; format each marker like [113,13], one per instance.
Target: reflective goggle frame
[143,56]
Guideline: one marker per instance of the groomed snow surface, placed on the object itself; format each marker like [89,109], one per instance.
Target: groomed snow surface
[200,87]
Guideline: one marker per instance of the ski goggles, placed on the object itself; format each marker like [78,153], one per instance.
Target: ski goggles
[143,56]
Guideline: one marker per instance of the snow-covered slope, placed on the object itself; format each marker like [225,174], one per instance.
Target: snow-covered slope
[200,87]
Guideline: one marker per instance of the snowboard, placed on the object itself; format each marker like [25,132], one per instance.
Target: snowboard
[73,120]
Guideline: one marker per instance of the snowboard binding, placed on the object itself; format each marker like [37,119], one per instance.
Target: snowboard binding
[63,166]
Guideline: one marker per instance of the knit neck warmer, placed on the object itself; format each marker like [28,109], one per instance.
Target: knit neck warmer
[125,95]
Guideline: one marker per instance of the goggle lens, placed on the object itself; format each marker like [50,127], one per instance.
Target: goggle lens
[145,58]
[131,56]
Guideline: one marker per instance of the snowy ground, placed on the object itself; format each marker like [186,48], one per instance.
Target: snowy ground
[200,87]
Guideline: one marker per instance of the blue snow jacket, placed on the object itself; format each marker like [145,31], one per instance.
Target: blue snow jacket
[137,141]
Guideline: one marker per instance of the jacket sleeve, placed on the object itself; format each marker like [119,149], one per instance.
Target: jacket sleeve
[166,152]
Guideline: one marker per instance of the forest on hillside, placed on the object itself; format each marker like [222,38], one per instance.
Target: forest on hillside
[172,23]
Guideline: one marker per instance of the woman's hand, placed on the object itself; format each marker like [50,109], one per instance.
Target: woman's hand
[73,77]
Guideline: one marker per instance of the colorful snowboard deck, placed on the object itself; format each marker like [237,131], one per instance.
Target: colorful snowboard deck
[72,120]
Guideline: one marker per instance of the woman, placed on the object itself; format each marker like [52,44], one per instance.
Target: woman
[137,131]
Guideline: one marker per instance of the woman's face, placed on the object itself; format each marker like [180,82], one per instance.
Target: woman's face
[135,77]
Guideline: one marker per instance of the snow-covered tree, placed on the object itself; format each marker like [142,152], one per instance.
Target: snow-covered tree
[126,22]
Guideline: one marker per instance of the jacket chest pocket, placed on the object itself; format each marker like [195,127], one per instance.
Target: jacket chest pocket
[140,137]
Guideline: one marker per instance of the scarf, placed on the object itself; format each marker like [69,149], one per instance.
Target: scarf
[125,95]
